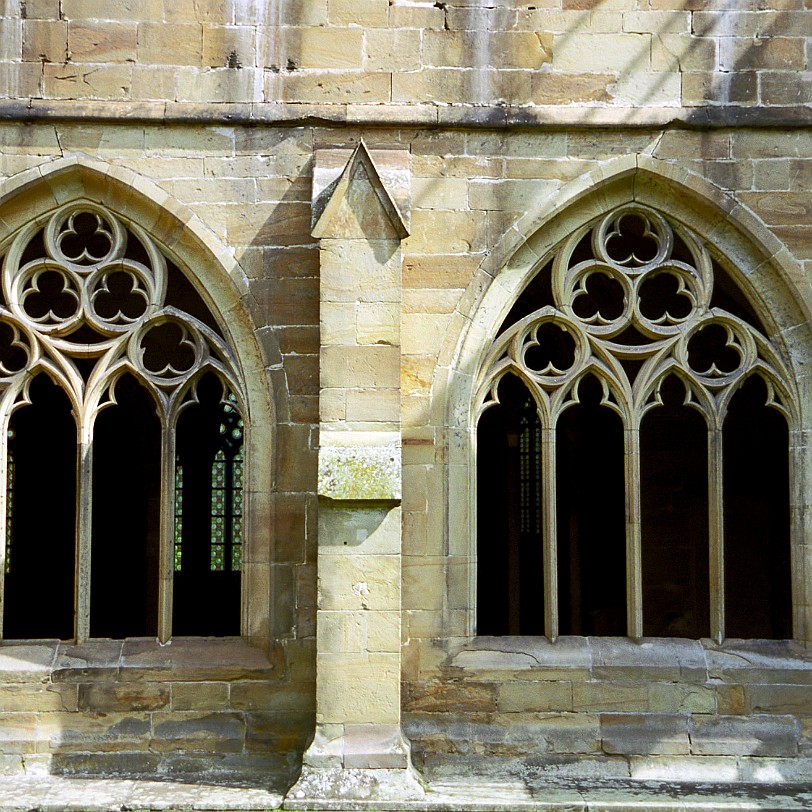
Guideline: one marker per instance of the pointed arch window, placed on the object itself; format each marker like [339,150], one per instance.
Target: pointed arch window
[655,499]
[112,369]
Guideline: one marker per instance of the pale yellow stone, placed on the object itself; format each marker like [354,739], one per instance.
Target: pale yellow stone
[322,47]
[358,688]
[449,85]
[374,406]
[139,10]
[391,49]
[153,82]
[87,81]
[372,13]
[360,582]
[378,323]
[102,42]
[594,53]
[338,323]
[219,85]
[341,631]
[423,332]
[170,44]
[383,632]
[360,271]
[20,80]
[229,46]
[446,232]
[482,48]
[45,40]
[331,88]
[440,193]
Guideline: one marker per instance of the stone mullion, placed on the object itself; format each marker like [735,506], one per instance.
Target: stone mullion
[716,535]
[166,558]
[3,512]
[550,530]
[634,569]
[84,528]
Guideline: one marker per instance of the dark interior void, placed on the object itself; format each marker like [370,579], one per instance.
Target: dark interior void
[41,542]
[758,595]
[674,518]
[126,514]
[591,517]
[510,592]
[206,583]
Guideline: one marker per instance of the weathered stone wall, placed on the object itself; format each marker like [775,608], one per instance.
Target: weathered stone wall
[413,54]
[223,106]
[251,188]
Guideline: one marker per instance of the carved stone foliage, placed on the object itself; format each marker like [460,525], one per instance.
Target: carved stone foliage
[88,300]
[631,300]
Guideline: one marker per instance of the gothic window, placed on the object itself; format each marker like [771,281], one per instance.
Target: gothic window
[633,447]
[121,408]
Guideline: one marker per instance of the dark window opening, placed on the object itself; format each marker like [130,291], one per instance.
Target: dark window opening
[591,519]
[40,539]
[126,515]
[674,517]
[208,519]
[758,593]
[510,558]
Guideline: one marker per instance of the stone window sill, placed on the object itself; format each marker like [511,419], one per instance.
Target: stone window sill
[620,658]
[135,659]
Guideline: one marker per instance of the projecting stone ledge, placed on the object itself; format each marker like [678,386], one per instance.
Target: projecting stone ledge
[350,789]
[360,473]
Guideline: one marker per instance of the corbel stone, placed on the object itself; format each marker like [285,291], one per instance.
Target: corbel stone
[359,753]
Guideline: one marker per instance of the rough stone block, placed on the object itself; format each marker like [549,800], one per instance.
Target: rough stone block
[745,736]
[601,53]
[371,13]
[100,732]
[170,44]
[361,582]
[200,696]
[322,48]
[335,87]
[649,734]
[87,81]
[210,732]
[725,88]
[124,697]
[571,88]
[775,53]
[535,696]
[102,42]
[358,688]
[45,40]
[610,696]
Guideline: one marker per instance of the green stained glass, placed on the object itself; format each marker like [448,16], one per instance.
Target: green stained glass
[236,558]
[217,557]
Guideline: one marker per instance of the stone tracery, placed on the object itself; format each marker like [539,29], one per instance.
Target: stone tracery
[85,302]
[631,304]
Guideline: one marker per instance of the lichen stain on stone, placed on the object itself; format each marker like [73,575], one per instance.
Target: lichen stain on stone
[360,473]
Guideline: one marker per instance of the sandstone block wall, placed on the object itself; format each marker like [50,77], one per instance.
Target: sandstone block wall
[415,54]
[222,105]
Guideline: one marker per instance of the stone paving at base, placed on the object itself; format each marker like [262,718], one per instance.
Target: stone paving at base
[468,794]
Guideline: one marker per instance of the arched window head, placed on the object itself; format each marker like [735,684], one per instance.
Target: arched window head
[107,346]
[659,418]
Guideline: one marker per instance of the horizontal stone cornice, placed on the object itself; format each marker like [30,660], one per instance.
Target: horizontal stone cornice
[404,115]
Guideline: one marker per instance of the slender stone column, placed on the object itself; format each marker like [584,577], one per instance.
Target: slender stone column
[359,752]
